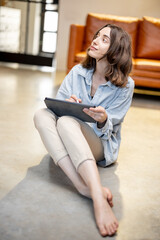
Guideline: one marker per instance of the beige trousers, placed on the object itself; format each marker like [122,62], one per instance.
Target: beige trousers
[68,136]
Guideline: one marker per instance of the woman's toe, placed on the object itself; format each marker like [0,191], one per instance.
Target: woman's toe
[103,231]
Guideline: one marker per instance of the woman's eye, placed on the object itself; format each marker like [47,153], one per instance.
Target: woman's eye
[105,40]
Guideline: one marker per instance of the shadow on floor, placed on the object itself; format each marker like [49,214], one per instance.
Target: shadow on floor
[45,205]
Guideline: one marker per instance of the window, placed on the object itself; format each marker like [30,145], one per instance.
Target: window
[49,27]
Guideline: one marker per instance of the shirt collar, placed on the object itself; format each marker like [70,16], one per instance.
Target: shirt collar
[87,74]
[111,85]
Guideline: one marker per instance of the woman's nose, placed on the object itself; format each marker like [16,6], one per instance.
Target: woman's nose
[95,41]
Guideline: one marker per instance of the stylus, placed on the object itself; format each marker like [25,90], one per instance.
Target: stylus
[77,101]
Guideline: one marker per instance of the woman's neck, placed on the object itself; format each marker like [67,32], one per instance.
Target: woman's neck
[98,77]
[100,71]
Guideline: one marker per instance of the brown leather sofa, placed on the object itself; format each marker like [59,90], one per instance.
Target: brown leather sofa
[145,34]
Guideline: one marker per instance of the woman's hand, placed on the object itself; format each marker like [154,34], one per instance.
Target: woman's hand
[98,114]
[73,98]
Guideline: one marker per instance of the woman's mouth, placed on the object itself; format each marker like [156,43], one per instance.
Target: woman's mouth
[92,48]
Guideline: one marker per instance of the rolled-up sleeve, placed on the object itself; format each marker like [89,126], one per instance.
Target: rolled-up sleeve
[110,133]
[116,113]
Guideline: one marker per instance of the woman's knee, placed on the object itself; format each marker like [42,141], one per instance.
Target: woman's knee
[66,123]
[37,119]
[41,117]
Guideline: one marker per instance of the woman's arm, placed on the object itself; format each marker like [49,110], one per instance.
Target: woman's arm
[109,118]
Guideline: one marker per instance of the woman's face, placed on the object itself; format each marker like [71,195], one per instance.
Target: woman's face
[100,44]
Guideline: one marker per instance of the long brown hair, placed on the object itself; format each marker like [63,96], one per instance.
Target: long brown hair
[118,57]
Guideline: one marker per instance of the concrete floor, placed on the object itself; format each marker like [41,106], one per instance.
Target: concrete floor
[38,202]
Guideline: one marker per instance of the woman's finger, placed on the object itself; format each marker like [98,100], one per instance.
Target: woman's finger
[97,109]
[98,116]
[90,113]
[70,100]
[75,99]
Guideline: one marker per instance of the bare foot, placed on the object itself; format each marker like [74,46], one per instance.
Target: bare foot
[106,192]
[108,195]
[105,218]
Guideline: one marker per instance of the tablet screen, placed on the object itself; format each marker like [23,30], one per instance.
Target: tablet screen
[65,108]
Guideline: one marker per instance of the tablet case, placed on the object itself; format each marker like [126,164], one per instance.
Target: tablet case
[65,108]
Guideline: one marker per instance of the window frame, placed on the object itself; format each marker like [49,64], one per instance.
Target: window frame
[42,31]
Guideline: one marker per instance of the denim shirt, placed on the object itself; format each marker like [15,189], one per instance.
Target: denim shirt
[115,100]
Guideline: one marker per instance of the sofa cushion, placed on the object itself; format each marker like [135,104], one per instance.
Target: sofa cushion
[147,64]
[79,57]
[145,73]
[146,81]
[96,21]
[148,45]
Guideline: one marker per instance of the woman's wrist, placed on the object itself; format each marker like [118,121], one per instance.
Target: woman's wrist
[101,124]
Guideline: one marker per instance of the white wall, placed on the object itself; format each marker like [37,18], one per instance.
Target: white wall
[75,11]
[34,29]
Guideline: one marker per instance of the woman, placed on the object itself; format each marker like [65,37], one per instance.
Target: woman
[77,147]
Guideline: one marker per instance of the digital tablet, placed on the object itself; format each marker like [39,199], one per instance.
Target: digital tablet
[65,108]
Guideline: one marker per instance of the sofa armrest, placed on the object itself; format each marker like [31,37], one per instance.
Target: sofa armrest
[76,43]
